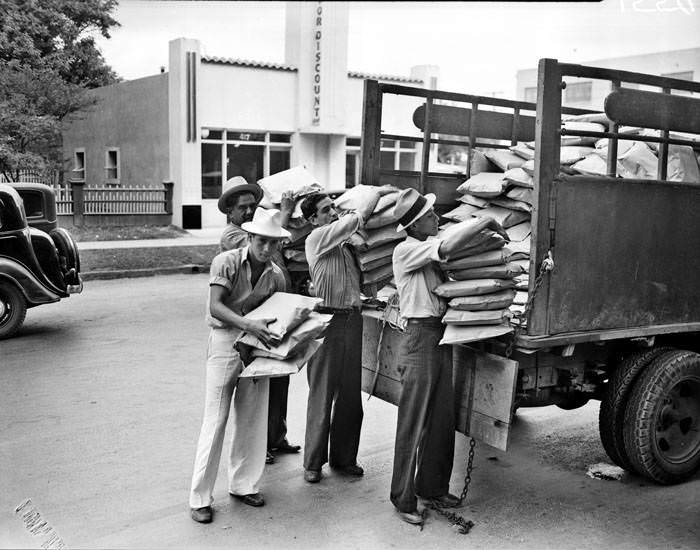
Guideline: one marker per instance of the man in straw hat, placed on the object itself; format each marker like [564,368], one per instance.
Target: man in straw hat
[240,280]
[426,405]
[238,201]
[334,410]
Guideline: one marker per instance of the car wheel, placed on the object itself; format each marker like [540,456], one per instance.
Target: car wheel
[13,309]
[611,417]
[662,418]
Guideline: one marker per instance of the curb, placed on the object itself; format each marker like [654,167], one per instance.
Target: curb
[144,272]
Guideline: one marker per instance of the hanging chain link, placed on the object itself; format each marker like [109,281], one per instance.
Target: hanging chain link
[520,318]
[461,525]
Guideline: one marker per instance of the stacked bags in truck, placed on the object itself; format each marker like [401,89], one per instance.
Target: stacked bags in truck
[480,288]
[298,330]
[373,244]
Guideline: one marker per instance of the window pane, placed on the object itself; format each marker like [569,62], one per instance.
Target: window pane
[350,171]
[388,143]
[406,161]
[246,161]
[33,204]
[406,144]
[531,94]
[352,142]
[212,134]
[279,161]
[244,136]
[387,160]
[211,170]
[578,91]
[280,138]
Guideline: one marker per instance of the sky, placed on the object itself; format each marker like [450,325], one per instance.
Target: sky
[478,46]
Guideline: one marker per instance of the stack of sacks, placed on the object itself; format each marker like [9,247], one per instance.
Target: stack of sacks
[480,288]
[297,327]
[374,244]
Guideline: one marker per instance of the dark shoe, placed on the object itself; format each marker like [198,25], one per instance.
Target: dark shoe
[269,458]
[352,470]
[414,518]
[312,476]
[201,515]
[254,499]
[287,447]
[445,501]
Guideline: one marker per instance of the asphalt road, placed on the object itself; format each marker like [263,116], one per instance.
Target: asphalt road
[100,405]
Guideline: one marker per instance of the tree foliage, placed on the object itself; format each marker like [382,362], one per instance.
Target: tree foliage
[48,60]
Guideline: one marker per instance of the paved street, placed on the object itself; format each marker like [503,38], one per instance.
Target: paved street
[100,405]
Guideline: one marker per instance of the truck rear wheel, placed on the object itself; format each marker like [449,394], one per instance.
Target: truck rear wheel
[662,418]
[611,417]
[13,309]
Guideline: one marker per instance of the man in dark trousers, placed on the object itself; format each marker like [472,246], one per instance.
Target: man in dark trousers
[239,201]
[334,410]
[425,429]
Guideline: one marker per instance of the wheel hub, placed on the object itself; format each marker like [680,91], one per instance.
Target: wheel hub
[678,422]
[3,309]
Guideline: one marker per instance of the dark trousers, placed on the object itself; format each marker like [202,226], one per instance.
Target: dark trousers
[277,412]
[334,411]
[425,430]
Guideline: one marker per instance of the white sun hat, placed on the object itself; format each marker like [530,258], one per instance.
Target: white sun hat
[266,222]
[411,206]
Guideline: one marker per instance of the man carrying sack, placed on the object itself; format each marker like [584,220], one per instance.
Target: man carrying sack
[334,410]
[425,429]
[238,201]
[240,280]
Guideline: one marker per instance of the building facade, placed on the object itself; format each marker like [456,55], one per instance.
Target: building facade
[210,118]
[586,93]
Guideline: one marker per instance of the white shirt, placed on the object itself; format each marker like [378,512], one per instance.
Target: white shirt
[417,274]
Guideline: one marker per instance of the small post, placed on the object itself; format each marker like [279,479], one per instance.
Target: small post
[168,196]
[78,192]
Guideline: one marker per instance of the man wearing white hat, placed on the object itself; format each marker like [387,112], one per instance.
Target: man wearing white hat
[238,201]
[426,405]
[240,280]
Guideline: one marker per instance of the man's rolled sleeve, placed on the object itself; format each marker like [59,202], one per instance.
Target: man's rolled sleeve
[221,272]
[418,254]
[326,238]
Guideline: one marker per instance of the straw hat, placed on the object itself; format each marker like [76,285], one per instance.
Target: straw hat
[235,186]
[267,224]
[411,206]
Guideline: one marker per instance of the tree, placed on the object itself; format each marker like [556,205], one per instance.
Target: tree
[48,61]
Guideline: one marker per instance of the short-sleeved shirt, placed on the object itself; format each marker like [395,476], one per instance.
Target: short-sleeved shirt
[417,274]
[231,269]
[332,265]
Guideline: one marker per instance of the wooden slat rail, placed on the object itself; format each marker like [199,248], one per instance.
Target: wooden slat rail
[581,71]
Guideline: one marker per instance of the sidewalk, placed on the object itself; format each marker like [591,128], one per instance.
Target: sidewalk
[148,257]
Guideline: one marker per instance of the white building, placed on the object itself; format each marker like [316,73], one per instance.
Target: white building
[209,118]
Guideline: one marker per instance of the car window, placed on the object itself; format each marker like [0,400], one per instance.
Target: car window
[33,204]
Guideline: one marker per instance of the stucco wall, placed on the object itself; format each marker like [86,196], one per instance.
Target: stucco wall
[132,116]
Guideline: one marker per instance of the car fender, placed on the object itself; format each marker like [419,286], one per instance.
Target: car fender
[35,292]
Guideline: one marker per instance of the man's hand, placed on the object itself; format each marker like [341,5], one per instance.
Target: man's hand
[259,329]
[287,202]
[387,190]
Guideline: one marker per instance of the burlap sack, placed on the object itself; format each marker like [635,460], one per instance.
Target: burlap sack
[523,151]
[511,204]
[504,159]
[475,318]
[501,271]
[262,367]
[311,328]
[519,232]
[455,334]
[473,200]
[288,310]
[519,177]
[505,216]
[452,289]
[492,257]
[521,194]
[461,213]
[485,185]
[495,300]
[365,239]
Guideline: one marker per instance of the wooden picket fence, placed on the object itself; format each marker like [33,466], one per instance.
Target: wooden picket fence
[124,200]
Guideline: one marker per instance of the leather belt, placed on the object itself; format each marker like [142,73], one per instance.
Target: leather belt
[424,320]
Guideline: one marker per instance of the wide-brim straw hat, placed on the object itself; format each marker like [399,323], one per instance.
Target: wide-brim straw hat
[267,224]
[235,186]
[411,206]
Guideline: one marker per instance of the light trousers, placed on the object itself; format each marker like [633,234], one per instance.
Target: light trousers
[246,458]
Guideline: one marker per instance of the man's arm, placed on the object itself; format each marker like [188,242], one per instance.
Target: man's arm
[287,205]
[220,311]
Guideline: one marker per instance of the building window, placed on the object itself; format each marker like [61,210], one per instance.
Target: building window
[352,162]
[530,94]
[112,165]
[229,153]
[397,155]
[578,91]
[79,164]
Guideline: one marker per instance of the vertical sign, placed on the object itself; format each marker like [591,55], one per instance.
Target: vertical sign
[316,118]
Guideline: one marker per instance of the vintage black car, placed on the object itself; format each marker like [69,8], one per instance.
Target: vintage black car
[39,261]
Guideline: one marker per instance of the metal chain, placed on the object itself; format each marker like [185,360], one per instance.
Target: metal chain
[461,525]
[546,266]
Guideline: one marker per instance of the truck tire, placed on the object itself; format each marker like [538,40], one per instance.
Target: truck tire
[662,418]
[13,309]
[611,417]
